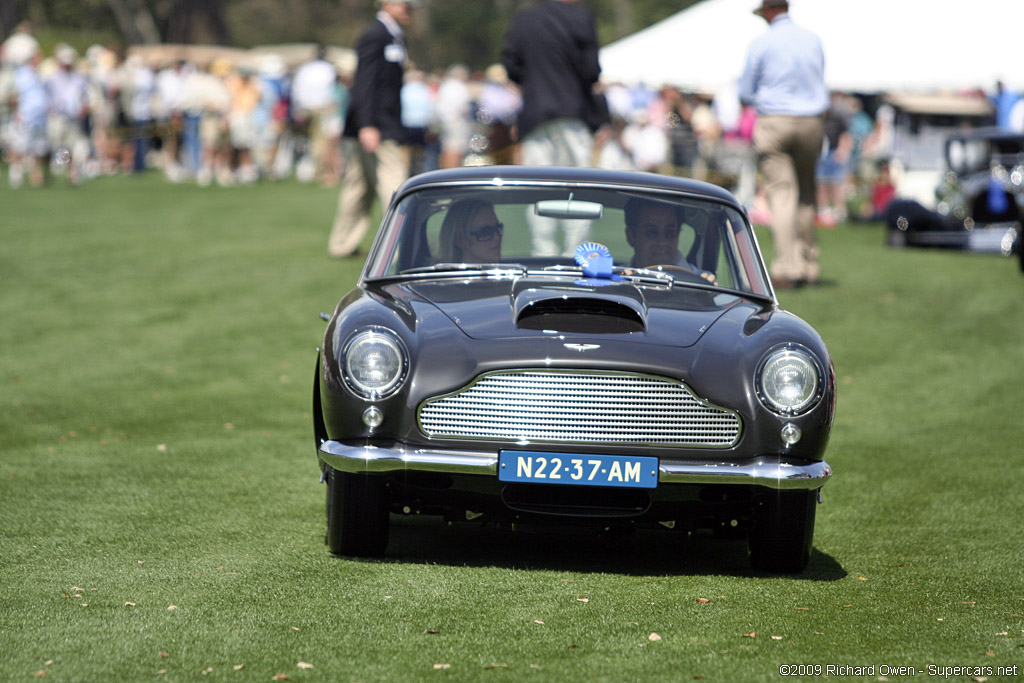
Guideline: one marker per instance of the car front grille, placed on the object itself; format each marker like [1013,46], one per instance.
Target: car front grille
[579,407]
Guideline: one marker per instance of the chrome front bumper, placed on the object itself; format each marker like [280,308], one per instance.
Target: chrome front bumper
[773,473]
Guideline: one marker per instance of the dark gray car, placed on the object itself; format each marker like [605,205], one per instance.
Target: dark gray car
[471,376]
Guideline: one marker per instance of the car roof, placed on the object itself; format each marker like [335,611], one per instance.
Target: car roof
[567,175]
[986,133]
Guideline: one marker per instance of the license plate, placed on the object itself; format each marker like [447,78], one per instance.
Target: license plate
[579,470]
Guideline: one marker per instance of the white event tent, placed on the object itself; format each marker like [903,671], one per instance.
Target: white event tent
[871,46]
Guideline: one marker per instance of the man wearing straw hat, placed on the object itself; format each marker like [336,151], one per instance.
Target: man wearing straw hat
[784,79]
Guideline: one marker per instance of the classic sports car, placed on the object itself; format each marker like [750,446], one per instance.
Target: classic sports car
[980,198]
[536,345]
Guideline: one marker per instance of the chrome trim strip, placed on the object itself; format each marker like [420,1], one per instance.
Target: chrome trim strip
[374,459]
[768,472]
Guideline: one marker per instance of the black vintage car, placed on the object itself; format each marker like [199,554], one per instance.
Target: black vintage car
[980,198]
[535,345]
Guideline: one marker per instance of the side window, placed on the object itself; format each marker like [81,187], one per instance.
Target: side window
[711,246]
[725,273]
[687,237]
[433,234]
[516,239]
[610,230]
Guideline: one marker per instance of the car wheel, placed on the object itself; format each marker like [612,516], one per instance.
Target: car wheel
[357,514]
[782,529]
[896,238]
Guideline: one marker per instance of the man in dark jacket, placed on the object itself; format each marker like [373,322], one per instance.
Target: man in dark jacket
[376,160]
[551,51]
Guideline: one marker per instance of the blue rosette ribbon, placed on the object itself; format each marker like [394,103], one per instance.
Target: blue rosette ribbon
[595,260]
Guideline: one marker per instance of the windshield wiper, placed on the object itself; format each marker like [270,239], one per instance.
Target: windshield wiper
[633,274]
[645,275]
[562,268]
[464,267]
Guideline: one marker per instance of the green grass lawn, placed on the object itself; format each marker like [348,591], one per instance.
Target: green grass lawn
[161,516]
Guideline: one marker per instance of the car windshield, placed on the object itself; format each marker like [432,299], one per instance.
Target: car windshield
[521,227]
[978,154]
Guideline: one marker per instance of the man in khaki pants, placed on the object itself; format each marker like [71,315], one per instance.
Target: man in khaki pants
[784,79]
[376,159]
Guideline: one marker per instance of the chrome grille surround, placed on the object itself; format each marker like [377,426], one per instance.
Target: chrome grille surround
[579,406]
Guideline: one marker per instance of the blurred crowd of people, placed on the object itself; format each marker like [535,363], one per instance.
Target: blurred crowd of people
[100,113]
[78,116]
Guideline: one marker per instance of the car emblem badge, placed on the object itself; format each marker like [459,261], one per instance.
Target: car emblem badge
[582,347]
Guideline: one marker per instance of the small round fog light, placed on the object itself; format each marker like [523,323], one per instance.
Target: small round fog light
[790,433]
[372,417]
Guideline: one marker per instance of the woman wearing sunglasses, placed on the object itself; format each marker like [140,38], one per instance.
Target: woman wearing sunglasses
[471,233]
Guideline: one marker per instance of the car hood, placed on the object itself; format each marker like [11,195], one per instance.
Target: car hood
[523,307]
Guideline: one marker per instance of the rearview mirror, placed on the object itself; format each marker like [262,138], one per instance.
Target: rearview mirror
[567,208]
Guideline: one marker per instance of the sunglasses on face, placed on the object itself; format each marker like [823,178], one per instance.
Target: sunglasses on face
[485,233]
[653,232]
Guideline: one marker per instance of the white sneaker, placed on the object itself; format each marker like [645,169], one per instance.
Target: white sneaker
[204,177]
[15,176]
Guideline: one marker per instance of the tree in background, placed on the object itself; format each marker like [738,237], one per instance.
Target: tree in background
[443,31]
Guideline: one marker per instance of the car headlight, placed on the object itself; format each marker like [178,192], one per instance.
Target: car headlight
[789,380]
[374,363]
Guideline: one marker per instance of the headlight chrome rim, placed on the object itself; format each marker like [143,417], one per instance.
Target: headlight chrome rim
[776,404]
[394,375]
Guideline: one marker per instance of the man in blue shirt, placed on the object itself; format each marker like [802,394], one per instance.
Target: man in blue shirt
[28,142]
[1003,101]
[784,79]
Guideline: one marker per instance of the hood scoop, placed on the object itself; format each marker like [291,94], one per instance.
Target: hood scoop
[578,312]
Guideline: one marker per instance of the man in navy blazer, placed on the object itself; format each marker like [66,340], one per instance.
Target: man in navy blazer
[376,159]
[551,51]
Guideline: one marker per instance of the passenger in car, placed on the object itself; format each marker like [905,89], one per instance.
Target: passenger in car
[470,233]
[652,229]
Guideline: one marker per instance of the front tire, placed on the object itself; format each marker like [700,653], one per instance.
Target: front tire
[782,530]
[895,238]
[357,514]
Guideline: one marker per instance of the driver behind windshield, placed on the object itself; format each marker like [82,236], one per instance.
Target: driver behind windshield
[652,229]
[470,233]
